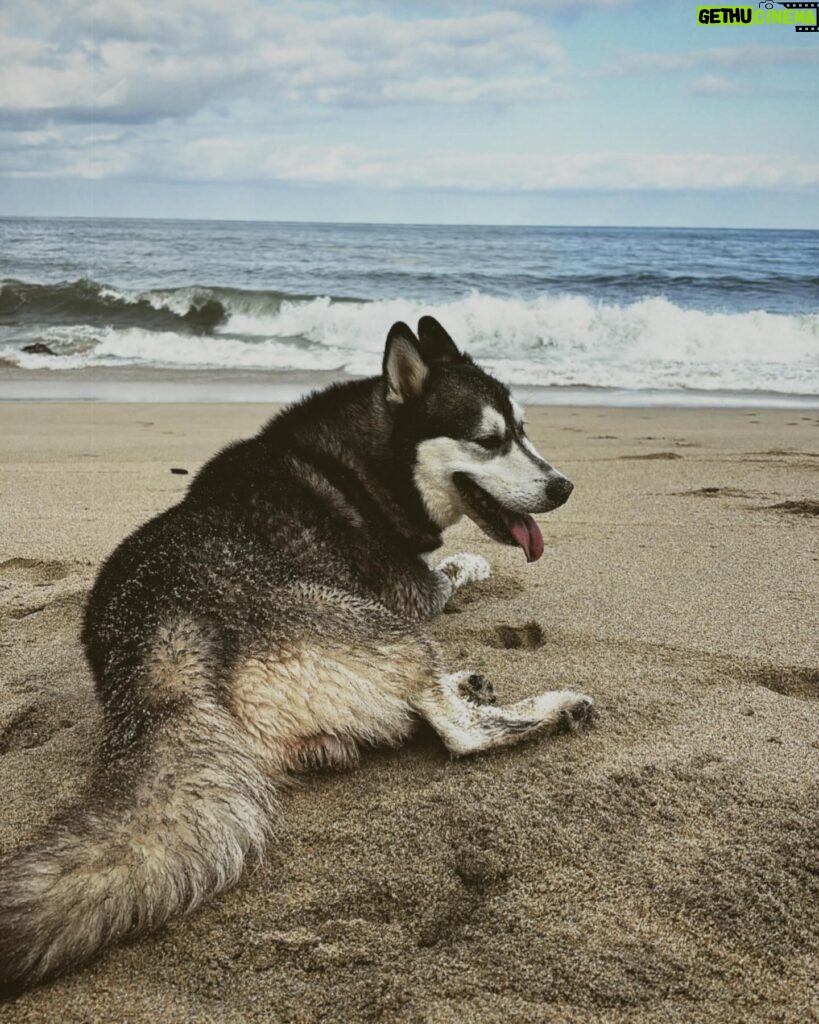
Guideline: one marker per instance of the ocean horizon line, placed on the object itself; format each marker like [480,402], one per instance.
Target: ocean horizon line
[117,218]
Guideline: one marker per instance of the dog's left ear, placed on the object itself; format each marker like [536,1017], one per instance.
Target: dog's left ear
[435,344]
[404,367]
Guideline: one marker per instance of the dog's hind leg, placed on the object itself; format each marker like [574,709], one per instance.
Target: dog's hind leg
[457,709]
[325,751]
[342,676]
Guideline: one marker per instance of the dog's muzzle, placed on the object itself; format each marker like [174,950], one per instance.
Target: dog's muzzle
[506,525]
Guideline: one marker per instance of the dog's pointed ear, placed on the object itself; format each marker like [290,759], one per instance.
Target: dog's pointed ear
[435,343]
[404,368]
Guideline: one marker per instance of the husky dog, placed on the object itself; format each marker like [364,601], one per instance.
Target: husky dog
[272,622]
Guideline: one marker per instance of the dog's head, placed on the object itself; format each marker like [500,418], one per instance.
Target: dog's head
[467,437]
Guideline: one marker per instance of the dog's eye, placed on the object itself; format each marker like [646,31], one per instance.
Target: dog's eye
[490,443]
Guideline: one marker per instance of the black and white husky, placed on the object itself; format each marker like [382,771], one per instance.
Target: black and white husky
[272,621]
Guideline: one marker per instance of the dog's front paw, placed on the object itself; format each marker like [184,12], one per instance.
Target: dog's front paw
[578,712]
[477,689]
[464,568]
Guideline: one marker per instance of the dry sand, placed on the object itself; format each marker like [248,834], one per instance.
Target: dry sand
[663,867]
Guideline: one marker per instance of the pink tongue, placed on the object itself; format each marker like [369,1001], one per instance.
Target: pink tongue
[526,533]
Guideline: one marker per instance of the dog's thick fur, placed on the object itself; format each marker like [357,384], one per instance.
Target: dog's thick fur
[272,622]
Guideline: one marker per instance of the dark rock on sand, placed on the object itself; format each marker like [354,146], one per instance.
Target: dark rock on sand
[39,348]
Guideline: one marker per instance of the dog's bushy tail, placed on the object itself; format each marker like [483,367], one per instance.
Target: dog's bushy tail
[184,817]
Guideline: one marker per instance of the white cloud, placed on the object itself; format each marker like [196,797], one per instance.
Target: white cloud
[509,172]
[131,61]
[153,90]
[242,159]
[715,59]
[538,5]
[715,85]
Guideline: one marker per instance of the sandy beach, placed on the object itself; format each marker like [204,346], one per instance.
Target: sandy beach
[660,868]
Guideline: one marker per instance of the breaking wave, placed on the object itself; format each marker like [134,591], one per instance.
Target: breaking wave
[549,340]
[196,310]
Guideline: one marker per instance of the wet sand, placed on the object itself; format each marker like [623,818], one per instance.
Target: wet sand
[661,867]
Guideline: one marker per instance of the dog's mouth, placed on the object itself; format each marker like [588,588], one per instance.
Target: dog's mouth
[499,523]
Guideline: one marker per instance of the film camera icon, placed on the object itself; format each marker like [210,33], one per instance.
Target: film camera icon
[767,5]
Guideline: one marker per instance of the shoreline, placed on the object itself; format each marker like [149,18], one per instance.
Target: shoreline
[141,385]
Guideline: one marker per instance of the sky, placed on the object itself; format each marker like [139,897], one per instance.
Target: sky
[586,112]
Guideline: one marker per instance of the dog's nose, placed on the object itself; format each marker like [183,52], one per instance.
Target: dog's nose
[558,491]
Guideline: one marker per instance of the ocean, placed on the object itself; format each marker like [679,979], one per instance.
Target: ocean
[601,314]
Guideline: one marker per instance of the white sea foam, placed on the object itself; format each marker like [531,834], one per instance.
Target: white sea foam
[551,340]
